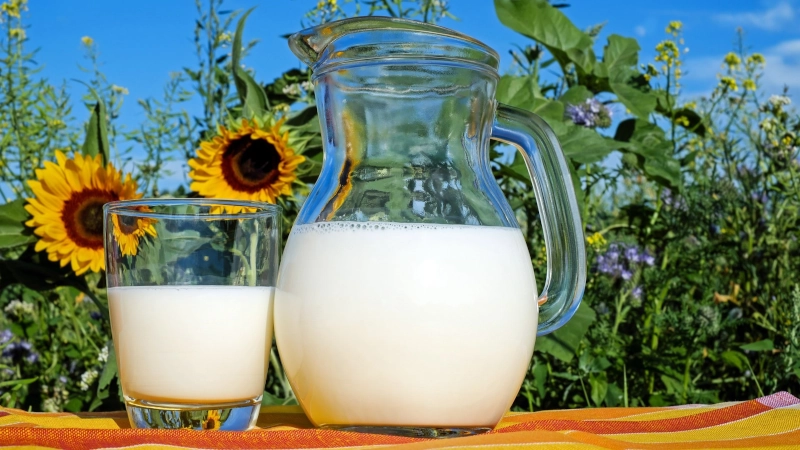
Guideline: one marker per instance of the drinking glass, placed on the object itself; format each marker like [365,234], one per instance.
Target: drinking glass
[190,291]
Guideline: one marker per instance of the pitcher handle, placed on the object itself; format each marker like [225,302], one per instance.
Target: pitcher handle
[561,221]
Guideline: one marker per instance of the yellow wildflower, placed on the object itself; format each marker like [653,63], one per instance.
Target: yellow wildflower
[17,33]
[14,8]
[596,240]
[690,105]
[732,60]
[674,27]
[87,41]
[749,85]
[728,83]
[757,59]
[667,51]
[682,121]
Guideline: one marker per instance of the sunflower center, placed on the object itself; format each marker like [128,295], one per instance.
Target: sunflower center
[83,216]
[250,164]
[127,224]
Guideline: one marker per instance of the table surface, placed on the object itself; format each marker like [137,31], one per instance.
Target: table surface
[771,422]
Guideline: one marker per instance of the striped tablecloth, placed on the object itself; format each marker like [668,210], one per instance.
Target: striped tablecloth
[771,422]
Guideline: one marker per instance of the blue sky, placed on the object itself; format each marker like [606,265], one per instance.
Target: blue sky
[141,42]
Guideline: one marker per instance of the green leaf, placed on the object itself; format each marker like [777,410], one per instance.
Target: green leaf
[96,141]
[734,358]
[13,231]
[584,145]
[672,385]
[545,24]
[619,55]
[599,387]
[251,94]
[236,55]
[550,110]
[576,94]
[18,383]
[563,343]
[74,405]
[110,369]
[653,152]
[638,102]
[759,346]
[516,91]
[540,378]
[614,395]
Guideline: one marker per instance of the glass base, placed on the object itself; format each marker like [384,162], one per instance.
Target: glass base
[417,432]
[238,416]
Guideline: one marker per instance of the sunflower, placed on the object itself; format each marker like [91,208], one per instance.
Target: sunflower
[212,421]
[246,163]
[67,209]
[128,230]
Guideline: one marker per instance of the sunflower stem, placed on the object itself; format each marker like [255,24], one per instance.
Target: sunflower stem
[252,272]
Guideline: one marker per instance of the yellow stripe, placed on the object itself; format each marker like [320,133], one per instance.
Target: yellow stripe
[659,415]
[62,422]
[771,422]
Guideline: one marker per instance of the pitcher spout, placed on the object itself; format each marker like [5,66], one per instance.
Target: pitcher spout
[358,38]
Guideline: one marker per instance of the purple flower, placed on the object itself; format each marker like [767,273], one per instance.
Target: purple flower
[760,197]
[579,116]
[632,254]
[5,336]
[95,315]
[626,274]
[590,113]
[18,350]
[637,292]
[648,259]
[62,379]
[620,261]
[672,201]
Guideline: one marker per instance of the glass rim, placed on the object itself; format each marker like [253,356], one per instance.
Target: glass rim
[126,208]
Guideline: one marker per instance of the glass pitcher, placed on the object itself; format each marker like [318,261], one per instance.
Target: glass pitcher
[406,299]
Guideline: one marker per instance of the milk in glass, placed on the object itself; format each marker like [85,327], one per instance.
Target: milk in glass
[192,344]
[405,324]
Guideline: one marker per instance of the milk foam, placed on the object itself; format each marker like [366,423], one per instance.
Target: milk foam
[192,344]
[405,324]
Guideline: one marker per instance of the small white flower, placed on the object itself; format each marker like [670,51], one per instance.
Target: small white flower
[292,89]
[18,308]
[779,100]
[307,86]
[87,378]
[119,89]
[50,405]
[767,125]
[103,356]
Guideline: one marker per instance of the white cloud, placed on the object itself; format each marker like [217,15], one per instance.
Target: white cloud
[770,19]
[640,30]
[783,67]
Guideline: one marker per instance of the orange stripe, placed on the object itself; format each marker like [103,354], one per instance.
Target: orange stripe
[69,439]
[702,420]
[579,414]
